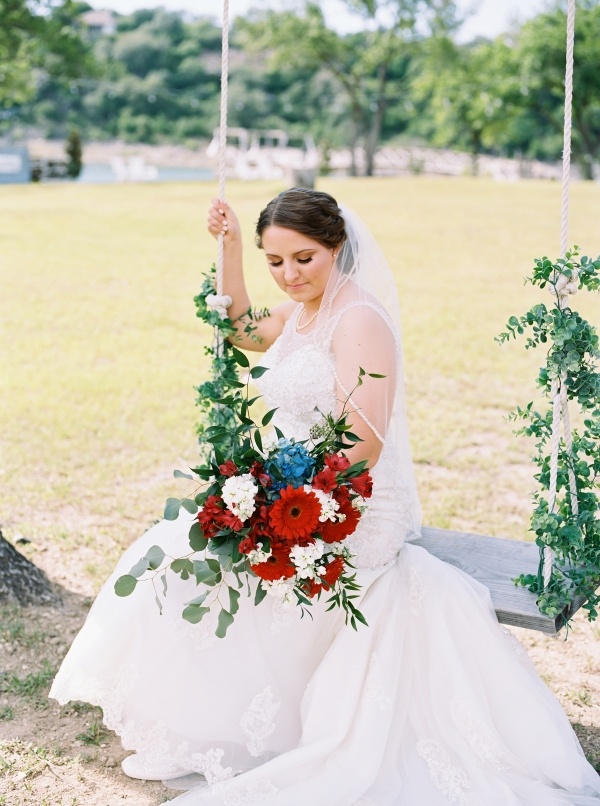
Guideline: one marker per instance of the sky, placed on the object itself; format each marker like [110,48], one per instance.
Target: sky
[486,18]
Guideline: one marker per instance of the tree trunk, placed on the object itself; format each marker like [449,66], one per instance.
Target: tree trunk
[372,140]
[22,582]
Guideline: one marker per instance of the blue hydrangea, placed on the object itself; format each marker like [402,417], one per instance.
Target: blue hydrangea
[290,463]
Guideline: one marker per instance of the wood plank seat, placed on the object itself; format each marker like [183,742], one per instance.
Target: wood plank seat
[495,562]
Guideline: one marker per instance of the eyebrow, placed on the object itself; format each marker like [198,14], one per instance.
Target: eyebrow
[299,252]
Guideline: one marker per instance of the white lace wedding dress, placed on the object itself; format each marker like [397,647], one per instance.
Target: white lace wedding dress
[432,704]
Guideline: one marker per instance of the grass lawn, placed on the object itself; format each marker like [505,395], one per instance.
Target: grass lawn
[100,353]
[102,348]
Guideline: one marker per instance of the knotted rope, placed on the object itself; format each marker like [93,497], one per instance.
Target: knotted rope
[219,301]
[562,287]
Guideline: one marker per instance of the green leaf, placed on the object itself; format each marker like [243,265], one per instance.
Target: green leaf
[214,565]
[190,506]
[258,372]
[260,594]
[164,583]
[179,474]
[199,600]
[204,574]
[258,440]
[194,614]
[234,598]
[140,567]
[224,622]
[171,512]
[125,585]
[183,567]
[268,417]
[155,557]
[239,357]
[196,537]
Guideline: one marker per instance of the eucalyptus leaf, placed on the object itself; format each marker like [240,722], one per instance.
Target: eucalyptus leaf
[155,557]
[194,614]
[190,506]
[172,506]
[225,621]
[196,537]
[234,599]
[179,474]
[125,585]
[140,567]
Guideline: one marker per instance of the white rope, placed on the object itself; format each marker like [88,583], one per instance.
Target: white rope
[562,288]
[219,302]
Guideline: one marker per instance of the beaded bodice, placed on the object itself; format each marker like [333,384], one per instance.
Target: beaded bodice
[301,384]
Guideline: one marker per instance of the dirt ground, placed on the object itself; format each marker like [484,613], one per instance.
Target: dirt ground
[62,756]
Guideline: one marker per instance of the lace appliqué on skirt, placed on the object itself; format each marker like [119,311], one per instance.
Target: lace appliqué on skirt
[251,793]
[453,782]
[480,737]
[374,691]
[418,587]
[258,722]
[209,765]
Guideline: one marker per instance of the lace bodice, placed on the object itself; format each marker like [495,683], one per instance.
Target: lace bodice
[301,384]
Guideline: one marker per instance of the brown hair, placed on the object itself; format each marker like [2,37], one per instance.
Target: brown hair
[311,212]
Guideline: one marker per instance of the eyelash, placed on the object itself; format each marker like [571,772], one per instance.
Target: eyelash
[303,261]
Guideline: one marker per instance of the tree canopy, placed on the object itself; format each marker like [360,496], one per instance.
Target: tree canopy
[403,78]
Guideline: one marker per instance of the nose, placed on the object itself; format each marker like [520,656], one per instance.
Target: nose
[290,271]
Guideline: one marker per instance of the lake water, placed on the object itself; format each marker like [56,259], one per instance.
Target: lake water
[99,174]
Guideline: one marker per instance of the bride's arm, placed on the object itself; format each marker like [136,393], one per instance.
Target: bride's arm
[362,339]
[222,219]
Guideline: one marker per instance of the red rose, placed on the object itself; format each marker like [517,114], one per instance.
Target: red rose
[295,515]
[278,566]
[362,484]
[333,532]
[337,462]
[326,480]
[229,468]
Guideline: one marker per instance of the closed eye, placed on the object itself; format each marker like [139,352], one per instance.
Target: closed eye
[275,263]
[304,260]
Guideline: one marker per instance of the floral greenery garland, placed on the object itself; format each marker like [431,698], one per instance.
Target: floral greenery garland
[220,400]
[573,353]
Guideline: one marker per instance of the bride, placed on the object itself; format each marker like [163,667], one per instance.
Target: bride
[431,704]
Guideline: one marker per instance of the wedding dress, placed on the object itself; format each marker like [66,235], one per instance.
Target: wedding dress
[432,704]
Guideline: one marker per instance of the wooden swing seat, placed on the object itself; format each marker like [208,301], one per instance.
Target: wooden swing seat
[495,562]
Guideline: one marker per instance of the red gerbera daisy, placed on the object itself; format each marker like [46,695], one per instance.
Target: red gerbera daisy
[332,532]
[278,566]
[296,514]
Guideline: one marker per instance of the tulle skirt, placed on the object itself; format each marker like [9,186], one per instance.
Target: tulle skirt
[432,704]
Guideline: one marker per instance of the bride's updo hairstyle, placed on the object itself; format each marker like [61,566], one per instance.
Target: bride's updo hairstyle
[310,212]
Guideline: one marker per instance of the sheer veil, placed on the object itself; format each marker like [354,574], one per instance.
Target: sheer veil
[361,302]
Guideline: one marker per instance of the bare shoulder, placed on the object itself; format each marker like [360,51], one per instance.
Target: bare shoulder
[284,310]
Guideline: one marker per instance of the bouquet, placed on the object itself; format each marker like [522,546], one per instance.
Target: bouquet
[267,509]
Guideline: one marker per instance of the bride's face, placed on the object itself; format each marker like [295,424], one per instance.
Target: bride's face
[299,265]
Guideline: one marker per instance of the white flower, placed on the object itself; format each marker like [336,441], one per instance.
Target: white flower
[270,441]
[329,506]
[306,560]
[257,556]
[360,503]
[239,493]
[280,589]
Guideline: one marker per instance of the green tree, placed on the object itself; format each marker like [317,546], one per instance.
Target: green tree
[540,51]
[370,68]
[473,93]
[37,36]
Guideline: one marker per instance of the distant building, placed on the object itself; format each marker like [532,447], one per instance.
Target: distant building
[100,22]
[14,165]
